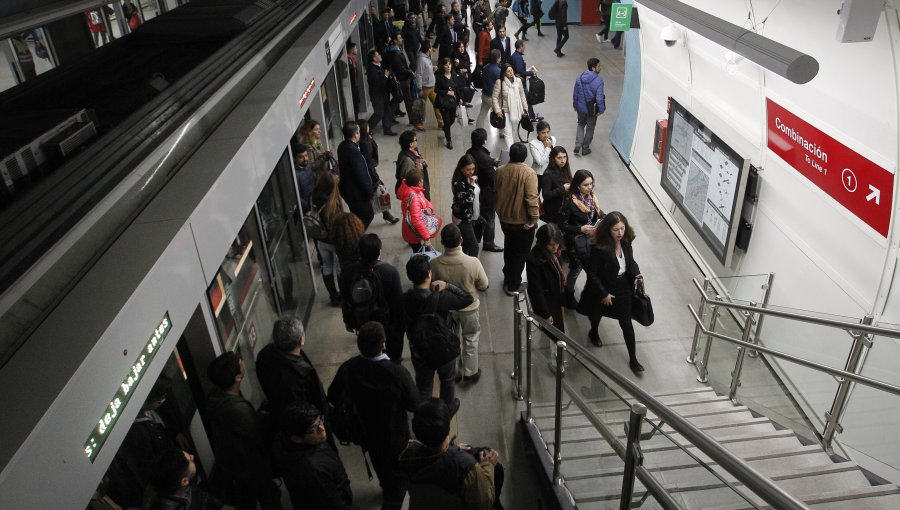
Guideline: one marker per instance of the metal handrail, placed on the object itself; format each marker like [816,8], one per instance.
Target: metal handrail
[875,330]
[836,372]
[752,479]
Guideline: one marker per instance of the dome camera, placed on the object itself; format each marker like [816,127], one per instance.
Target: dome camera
[670,34]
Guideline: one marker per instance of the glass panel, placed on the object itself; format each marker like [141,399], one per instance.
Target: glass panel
[96,21]
[333,104]
[745,287]
[288,258]
[870,422]
[24,56]
[240,298]
[149,9]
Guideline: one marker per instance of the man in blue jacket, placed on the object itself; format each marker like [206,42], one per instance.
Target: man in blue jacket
[588,89]
[491,75]
[519,67]
[357,182]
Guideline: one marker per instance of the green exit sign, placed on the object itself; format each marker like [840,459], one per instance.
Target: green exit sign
[116,405]
[620,18]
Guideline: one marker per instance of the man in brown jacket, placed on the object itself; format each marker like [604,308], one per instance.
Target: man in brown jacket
[518,211]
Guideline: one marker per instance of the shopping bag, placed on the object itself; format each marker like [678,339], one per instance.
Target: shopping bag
[381,200]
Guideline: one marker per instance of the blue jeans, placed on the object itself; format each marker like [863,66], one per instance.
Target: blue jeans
[330,263]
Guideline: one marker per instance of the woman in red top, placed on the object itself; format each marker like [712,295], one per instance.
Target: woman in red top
[417,229]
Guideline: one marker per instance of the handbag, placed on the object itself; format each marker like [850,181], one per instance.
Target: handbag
[496,120]
[526,124]
[467,93]
[381,200]
[641,306]
[432,220]
[478,77]
[427,250]
[446,102]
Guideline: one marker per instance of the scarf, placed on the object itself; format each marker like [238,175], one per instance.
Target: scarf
[586,205]
[562,277]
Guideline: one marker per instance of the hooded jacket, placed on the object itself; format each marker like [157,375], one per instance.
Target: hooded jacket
[450,480]
[413,198]
[588,85]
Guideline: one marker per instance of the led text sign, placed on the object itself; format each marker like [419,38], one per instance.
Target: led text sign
[307,92]
[123,394]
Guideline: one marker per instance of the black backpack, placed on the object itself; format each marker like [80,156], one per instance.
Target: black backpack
[535,90]
[365,299]
[431,337]
[346,424]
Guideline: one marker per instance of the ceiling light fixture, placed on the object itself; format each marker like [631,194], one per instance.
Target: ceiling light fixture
[782,60]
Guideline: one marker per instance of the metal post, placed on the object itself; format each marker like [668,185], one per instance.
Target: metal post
[633,455]
[833,416]
[704,367]
[692,356]
[742,351]
[517,348]
[759,320]
[557,421]
[529,327]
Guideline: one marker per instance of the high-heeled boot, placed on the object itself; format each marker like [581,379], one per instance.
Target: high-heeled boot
[388,217]
[335,297]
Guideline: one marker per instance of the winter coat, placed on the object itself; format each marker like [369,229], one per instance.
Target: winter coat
[450,480]
[313,474]
[509,96]
[517,195]
[357,183]
[413,199]
[572,218]
[306,181]
[463,207]
[464,271]
[406,163]
[554,193]
[588,85]
[545,286]
[602,269]
[239,436]
[286,379]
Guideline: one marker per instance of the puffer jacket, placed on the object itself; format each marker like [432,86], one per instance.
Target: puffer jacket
[451,480]
[413,198]
[588,85]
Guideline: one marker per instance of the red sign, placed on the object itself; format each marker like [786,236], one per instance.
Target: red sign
[307,92]
[858,184]
[352,19]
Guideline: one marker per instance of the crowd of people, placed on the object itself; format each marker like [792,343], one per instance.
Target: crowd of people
[554,229]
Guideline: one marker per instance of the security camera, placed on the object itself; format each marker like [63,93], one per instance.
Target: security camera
[670,34]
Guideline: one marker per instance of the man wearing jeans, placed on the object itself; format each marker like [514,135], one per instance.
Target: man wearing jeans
[467,273]
[588,88]
[518,210]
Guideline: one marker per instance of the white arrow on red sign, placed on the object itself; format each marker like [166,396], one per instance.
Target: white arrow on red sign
[876,194]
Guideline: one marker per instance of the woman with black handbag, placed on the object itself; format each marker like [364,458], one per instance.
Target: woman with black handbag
[578,214]
[447,96]
[612,275]
[509,101]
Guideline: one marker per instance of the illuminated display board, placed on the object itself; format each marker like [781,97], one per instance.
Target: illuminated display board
[123,394]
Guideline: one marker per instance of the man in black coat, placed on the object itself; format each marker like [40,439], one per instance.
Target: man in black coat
[383,29]
[396,62]
[383,392]
[312,471]
[486,166]
[239,436]
[379,94]
[501,42]
[391,299]
[285,372]
[358,183]
[448,39]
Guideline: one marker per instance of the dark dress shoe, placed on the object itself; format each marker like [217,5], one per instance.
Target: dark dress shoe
[472,379]
[390,133]
[493,247]
[594,337]
[636,367]
[585,151]
[449,145]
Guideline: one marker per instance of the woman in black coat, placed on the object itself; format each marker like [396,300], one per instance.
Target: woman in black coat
[555,182]
[612,273]
[546,281]
[369,149]
[445,86]
[579,213]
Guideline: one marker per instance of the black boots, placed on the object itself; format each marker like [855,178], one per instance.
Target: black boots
[332,290]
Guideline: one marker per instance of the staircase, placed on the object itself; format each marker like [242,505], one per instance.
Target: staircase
[592,471]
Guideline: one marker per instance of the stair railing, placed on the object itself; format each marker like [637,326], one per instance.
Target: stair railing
[862,334]
[760,485]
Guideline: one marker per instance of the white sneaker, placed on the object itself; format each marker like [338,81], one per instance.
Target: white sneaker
[599,40]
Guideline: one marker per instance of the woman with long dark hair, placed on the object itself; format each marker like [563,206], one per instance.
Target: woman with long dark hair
[578,214]
[612,274]
[508,99]
[326,199]
[347,230]
[546,281]
[447,96]
[555,183]
[465,208]
[310,134]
